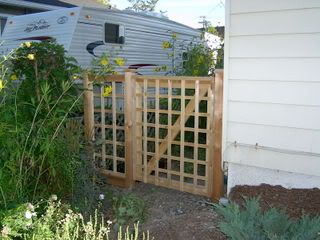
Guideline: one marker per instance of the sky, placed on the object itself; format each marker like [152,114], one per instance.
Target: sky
[187,11]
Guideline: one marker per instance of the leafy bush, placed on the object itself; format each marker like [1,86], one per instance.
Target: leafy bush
[39,148]
[127,208]
[52,220]
[47,74]
[198,60]
[252,223]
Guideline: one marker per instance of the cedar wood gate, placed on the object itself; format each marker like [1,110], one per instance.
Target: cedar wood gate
[164,130]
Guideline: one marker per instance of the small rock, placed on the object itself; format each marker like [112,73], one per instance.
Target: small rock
[179,211]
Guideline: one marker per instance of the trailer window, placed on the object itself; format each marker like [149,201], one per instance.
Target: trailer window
[113,33]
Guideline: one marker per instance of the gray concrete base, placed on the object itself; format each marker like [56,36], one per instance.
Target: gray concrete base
[249,175]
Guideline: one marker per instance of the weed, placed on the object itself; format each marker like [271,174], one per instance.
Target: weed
[127,208]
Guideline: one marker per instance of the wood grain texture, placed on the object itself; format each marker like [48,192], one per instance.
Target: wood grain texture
[217,187]
[88,108]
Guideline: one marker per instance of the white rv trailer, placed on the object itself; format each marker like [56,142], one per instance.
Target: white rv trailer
[89,32]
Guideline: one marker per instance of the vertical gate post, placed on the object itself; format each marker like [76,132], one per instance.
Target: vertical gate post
[88,108]
[218,183]
[130,102]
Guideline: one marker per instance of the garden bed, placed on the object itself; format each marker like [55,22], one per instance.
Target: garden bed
[294,201]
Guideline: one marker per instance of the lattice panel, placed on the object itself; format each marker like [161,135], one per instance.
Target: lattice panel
[174,132]
[109,128]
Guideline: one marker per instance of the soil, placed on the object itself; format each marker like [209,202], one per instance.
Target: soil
[174,215]
[294,201]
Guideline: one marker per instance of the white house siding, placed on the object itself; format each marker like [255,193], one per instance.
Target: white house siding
[272,92]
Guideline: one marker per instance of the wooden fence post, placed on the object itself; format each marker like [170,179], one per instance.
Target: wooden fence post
[218,183]
[130,102]
[88,108]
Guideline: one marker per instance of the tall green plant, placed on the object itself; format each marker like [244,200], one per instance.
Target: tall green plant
[47,74]
[198,60]
[36,155]
[195,58]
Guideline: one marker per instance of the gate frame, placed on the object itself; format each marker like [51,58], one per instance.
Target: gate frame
[216,185]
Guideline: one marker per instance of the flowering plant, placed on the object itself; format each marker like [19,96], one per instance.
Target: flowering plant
[37,96]
[53,220]
[43,63]
[107,64]
[197,58]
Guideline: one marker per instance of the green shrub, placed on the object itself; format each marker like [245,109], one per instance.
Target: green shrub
[47,74]
[39,149]
[198,60]
[52,220]
[250,222]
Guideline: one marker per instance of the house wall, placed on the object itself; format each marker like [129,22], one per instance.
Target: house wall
[272,92]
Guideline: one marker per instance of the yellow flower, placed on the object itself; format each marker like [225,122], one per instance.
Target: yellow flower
[166,44]
[74,77]
[104,61]
[31,56]
[1,85]
[27,44]
[174,36]
[119,61]
[13,77]
[107,91]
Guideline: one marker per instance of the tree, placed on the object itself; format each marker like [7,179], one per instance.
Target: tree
[143,5]
[105,2]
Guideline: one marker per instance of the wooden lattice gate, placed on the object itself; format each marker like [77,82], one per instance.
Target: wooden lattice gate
[160,130]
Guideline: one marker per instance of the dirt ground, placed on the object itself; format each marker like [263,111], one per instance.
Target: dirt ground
[174,215]
[294,201]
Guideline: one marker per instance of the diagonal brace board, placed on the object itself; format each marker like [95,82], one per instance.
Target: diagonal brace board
[175,131]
